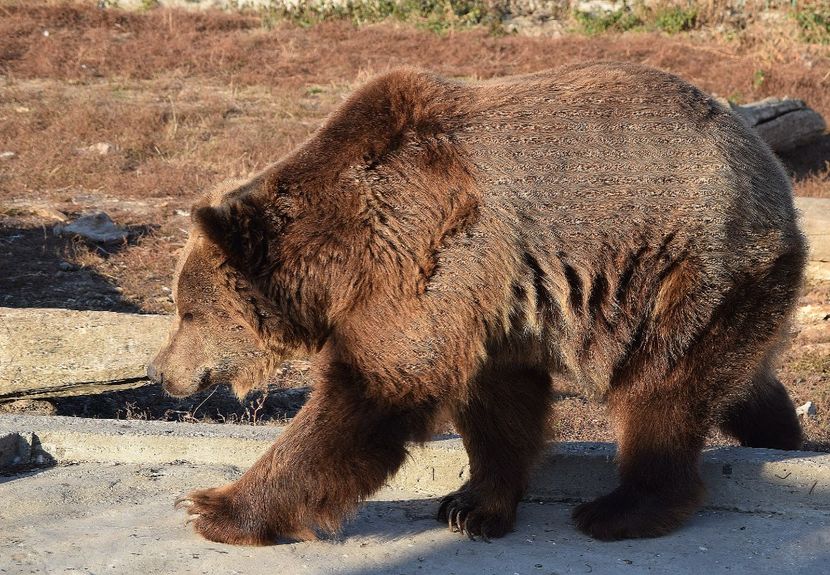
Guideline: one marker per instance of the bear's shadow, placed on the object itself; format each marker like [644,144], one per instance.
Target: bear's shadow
[809,160]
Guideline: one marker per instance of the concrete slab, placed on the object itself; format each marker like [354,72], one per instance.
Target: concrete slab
[815,223]
[118,518]
[753,480]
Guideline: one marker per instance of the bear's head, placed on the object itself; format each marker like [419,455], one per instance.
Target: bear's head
[226,329]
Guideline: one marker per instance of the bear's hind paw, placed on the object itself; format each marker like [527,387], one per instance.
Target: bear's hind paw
[627,514]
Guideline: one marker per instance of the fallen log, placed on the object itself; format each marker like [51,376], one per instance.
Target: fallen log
[784,124]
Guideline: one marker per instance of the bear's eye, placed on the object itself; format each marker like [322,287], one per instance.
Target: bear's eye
[187,317]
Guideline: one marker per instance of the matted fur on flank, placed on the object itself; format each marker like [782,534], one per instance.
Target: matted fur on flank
[448,247]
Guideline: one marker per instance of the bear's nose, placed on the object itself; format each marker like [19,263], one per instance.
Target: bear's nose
[153,374]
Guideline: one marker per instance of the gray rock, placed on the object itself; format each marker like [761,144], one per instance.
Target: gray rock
[599,6]
[783,123]
[808,409]
[99,149]
[96,227]
[531,26]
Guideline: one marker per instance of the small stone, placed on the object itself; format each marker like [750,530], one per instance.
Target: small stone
[99,149]
[7,155]
[599,6]
[808,409]
[97,227]
[67,267]
[183,213]
[531,26]
[48,213]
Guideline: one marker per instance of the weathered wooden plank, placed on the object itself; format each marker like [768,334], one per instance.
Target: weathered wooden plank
[54,352]
[815,222]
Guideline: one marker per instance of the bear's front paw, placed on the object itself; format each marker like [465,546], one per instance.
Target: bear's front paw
[220,514]
[463,513]
[216,515]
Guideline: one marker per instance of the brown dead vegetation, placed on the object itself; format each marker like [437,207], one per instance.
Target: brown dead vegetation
[188,99]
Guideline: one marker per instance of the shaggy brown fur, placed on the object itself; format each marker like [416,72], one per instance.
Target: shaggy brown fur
[447,246]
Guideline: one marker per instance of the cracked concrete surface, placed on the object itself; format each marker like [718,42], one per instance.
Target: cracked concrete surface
[118,518]
[106,507]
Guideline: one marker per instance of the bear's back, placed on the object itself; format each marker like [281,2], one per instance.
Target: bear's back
[585,154]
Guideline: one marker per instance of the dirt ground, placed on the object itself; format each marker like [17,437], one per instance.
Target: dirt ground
[185,100]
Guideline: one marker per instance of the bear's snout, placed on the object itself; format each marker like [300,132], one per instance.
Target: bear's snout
[157,376]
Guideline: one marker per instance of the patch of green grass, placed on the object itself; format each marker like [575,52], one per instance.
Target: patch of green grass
[593,23]
[811,362]
[758,78]
[814,23]
[440,16]
[735,98]
[675,19]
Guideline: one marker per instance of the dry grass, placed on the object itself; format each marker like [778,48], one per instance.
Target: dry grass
[187,99]
[197,97]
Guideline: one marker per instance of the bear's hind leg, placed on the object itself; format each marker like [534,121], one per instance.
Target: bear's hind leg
[502,423]
[765,416]
[660,439]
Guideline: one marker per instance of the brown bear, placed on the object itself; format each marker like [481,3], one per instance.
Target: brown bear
[445,247]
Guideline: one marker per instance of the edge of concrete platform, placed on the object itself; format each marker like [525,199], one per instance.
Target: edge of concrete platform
[752,480]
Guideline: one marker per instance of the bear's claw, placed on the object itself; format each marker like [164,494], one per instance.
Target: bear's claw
[214,515]
[464,515]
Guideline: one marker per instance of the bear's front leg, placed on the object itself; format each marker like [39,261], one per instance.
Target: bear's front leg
[339,449]
[502,424]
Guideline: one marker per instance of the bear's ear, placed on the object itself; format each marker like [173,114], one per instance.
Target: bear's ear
[237,228]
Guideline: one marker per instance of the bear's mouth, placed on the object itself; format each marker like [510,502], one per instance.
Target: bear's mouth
[202,380]
[175,391]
